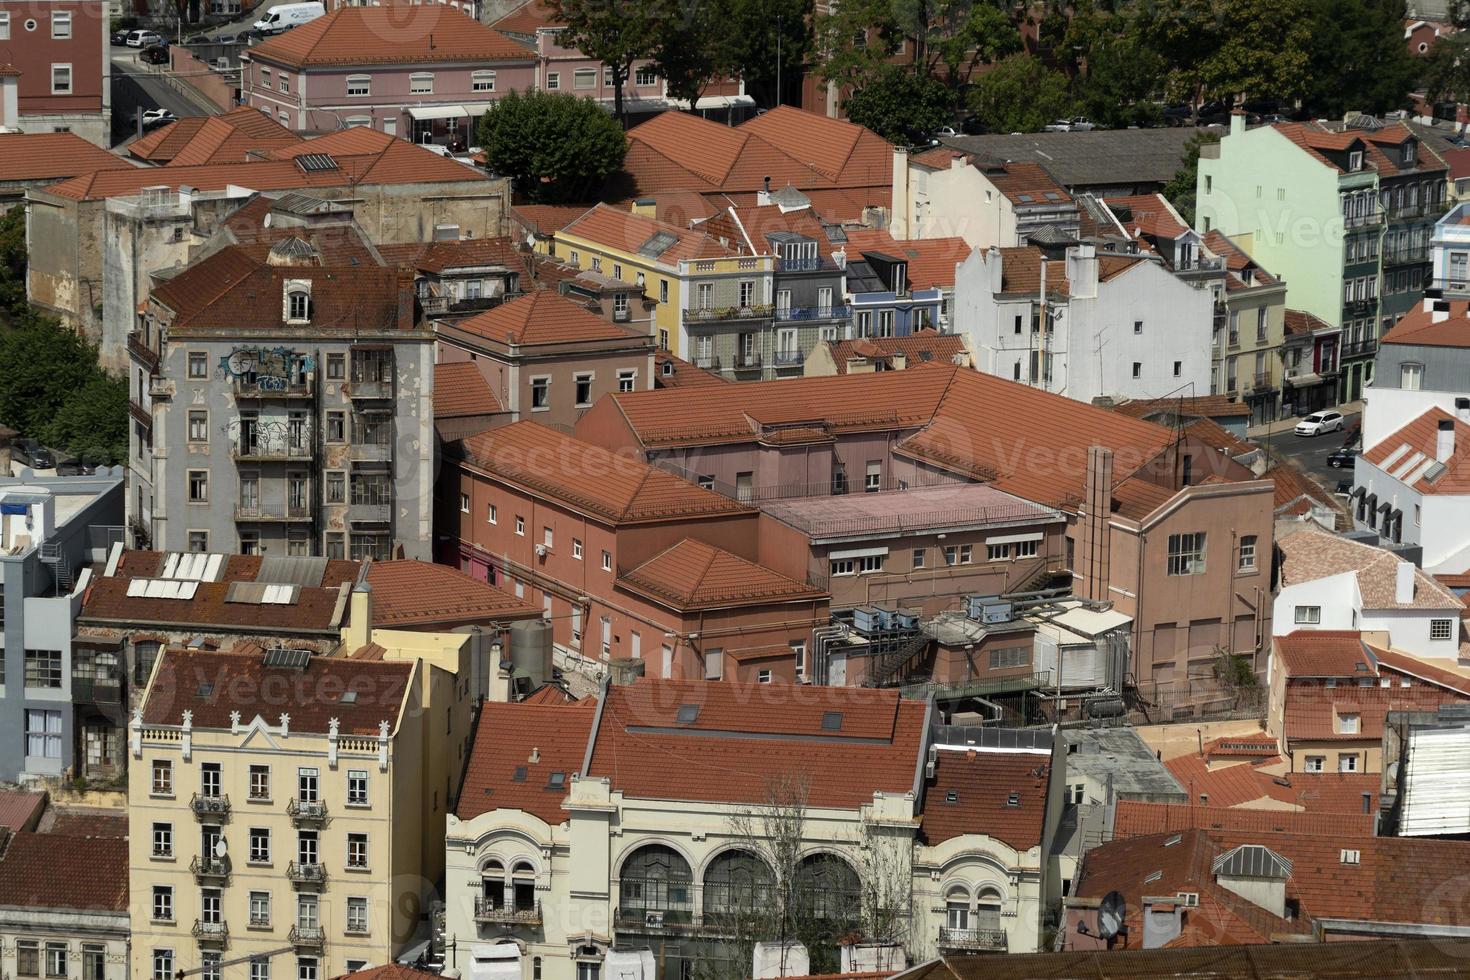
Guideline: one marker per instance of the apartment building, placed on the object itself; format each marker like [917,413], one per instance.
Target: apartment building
[95,241]
[1343,214]
[898,288]
[947,192]
[708,294]
[278,808]
[426,75]
[1420,365]
[58,62]
[459,278]
[62,702]
[630,563]
[300,400]
[1408,489]
[912,837]
[1094,324]
[546,357]
[1310,365]
[1250,332]
[64,910]
[1158,522]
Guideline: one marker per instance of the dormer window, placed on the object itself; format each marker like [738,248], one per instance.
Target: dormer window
[298,301]
[1355,160]
[900,278]
[1410,151]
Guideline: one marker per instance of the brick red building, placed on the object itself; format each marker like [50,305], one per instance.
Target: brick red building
[57,53]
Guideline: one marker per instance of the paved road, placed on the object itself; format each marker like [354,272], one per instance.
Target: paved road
[1310,454]
[135,87]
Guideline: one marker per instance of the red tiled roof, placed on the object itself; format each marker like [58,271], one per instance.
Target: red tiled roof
[464,253]
[1312,711]
[528,18]
[1420,328]
[1147,214]
[971,793]
[546,220]
[228,138]
[362,157]
[1198,406]
[1293,487]
[460,389]
[544,316]
[1312,553]
[611,487]
[390,971]
[606,225]
[1025,184]
[1247,785]
[215,685]
[758,222]
[1299,322]
[1394,662]
[517,748]
[1138,819]
[747,738]
[1021,271]
[1416,443]
[1237,262]
[692,575]
[931,261]
[921,346]
[1325,653]
[684,374]
[431,34]
[61,871]
[88,823]
[19,809]
[53,156]
[420,594]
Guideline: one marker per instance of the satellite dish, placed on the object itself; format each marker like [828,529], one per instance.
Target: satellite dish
[219,847]
[1110,915]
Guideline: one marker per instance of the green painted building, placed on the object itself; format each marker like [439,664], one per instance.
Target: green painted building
[1343,214]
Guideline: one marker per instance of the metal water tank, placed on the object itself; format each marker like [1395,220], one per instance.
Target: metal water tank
[530,651]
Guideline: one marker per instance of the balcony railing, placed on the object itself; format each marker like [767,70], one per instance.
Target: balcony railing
[307,937]
[813,312]
[97,686]
[267,387]
[748,359]
[789,358]
[142,352]
[804,265]
[487,911]
[370,389]
[1261,382]
[258,452]
[440,305]
[755,312]
[210,868]
[982,939]
[210,806]
[370,513]
[1421,210]
[673,918]
[1368,220]
[307,811]
[1406,256]
[370,452]
[273,512]
[707,361]
[213,933]
[1354,348]
[306,874]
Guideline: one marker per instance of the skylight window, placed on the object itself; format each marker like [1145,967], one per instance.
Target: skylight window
[556,780]
[832,721]
[688,714]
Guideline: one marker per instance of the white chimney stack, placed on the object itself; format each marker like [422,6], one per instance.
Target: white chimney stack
[1403,583]
[1439,316]
[1444,443]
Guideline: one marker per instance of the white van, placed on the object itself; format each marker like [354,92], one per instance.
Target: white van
[289,15]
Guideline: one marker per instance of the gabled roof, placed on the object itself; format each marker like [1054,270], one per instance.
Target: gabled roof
[409,594]
[1138,819]
[460,390]
[1027,185]
[1300,322]
[675,372]
[1002,794]
[1326,653]
[62,871]
[1102,156]
[214,686]
[544,316]
[518,749]
[922,346]
[692,575]
[610,487]
[736,743]
[52,156]
[432,34]
[1408,455]
[528,18]
[1196,406]
[229,138]
[1310,554]
[931,261]
[1421,327]
[547,219]
[1147,214]
[1237,262]
[447,256]
[654,240]
[20,810]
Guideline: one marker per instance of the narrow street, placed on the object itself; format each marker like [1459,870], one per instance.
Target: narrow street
[136,86]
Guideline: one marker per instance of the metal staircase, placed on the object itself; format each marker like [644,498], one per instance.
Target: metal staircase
[887,665]
[52,556]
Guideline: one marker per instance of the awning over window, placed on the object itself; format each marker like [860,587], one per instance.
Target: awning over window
[437,111]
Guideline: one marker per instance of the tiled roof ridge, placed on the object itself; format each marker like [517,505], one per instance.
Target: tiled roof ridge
[224,284]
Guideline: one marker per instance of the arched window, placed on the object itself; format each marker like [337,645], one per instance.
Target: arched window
[736,884]
[987,910]
[523,886]
[656,883]
[828,888]
[957,908]
[492,887]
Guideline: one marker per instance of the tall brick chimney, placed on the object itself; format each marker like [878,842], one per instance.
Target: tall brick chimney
[1094,541]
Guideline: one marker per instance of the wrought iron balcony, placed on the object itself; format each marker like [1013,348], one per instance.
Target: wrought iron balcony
[209,806]
[371,451]
[1371,219]
[758,311]
[268,451]
[268,388]
[211,933]
[306,811]
[291,513]
[370,390]
[210,869]
[813,312]
[487,911]
[657,919]
[972,939]
[301,874]
[789,358]
[307,937]
[369,513]
[748,359]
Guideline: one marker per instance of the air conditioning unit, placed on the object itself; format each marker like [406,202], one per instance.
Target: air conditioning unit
[541,551]
[653,919]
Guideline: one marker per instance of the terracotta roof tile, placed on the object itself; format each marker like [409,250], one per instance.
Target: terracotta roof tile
[53,156]
[1021,271]
[61,871]
[1409,454]
[1326,653]
[517,749]
[609,486]
[921,346]
[528,18]
[161,144]
[1294,487]
[931,261]
[230,137]
[460,389]
[1313,711]
[389,971]
[420,594]
[215,685]
[971,793]
[1311,553]
[544,316]
[682,374]
[692,575]
[1394,661]
[1147,214]
[1138,819]
[1300,322]
[20,810]
[648,753]
[395,34]
[608,226]
[1420,328]
[1248,785]
[463,253]
[1026,184]
[1198,406]
[547,219]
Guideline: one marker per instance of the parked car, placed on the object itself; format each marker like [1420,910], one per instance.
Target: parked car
[944,131]
[153,118]
[225,39]
[1341,458]
[76,466]
[155,55]
[143,39]
[120,38]
[289,15]
[1178,114]
[1319,423]
[1344,487]
[31,453]
[972,126]
[198,39]
[1077,124]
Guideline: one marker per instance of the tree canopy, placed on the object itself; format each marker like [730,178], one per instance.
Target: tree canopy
[1020,95]
[553,145]
[901,100]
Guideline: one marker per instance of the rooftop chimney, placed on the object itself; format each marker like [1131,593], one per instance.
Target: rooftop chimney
[1462,409]
[1094,539]
[1237,122]
[1403,583]
[763,196]
[1444,443]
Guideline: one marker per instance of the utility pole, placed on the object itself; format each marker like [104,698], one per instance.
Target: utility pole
[778,61]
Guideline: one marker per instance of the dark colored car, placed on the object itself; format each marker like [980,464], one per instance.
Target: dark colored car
[156,55]
[31,453]
[76,466]
[1342,458]
[972,126]
[1344,487]
[120,38]
[1178,114]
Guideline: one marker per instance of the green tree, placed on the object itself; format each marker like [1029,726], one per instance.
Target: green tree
[92,422]
[856,41]
[53,390]
[900,99]
[615,32]
[1224,48]
[763,34]
[13,261]
[554,145]
[1181,190]
[694,48]
[1357,57]
[1020,95]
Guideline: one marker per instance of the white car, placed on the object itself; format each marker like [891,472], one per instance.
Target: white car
[141,39]
[157,117]
[1319,423]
